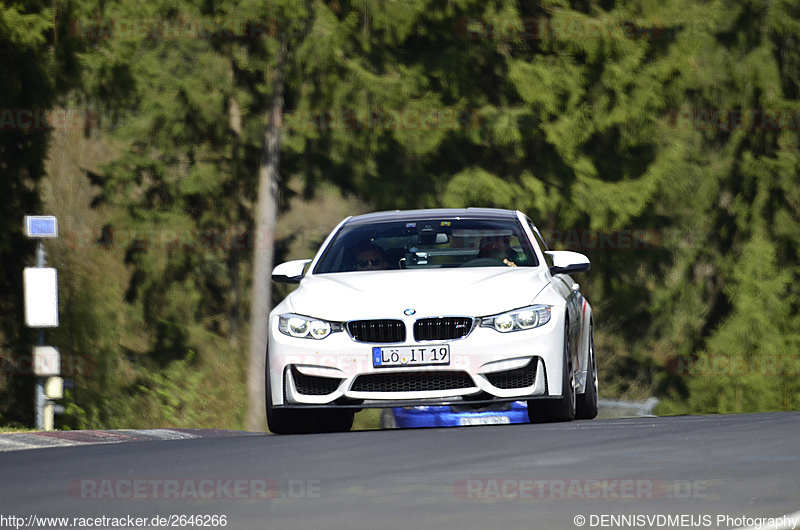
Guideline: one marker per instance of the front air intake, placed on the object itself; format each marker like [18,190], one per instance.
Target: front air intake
[412,382]
[377,331]
[442,328]
[312,385]
[517,378]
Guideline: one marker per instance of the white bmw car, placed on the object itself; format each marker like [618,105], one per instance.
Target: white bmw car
[430,307]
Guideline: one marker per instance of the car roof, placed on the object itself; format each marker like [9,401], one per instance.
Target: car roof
[437,213]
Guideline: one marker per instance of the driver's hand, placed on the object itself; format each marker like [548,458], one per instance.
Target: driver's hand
[509,262]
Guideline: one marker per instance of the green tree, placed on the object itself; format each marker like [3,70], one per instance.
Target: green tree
[751,358]
[740,194]
[173,108]
[36,71]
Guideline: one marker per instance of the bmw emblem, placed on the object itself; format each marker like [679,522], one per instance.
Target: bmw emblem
[409,312]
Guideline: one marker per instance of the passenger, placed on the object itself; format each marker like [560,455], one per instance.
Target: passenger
[498,247]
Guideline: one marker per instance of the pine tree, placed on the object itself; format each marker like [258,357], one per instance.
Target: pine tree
[751,358]
[740,185]
[35,75]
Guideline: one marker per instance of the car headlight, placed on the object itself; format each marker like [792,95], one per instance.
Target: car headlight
[302,327]
[518,319]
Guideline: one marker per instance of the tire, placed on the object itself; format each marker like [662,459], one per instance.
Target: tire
[563,408]
[325,420]
[284,421]
[294,421]
[586,408]
[289,421]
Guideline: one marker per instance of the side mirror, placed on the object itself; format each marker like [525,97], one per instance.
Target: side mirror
[290,272]
[566,262]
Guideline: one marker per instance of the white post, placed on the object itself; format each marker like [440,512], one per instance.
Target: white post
[41,305]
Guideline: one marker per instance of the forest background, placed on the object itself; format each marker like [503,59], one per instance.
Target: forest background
[184,144]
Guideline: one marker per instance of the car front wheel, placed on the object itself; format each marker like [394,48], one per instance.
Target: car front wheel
[587,402]
[305,421]
[563,408]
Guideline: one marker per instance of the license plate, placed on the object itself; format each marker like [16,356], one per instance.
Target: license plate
[410,356]
[484,420]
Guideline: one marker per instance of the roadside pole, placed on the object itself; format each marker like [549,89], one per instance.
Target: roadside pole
[40,263]
[41,311]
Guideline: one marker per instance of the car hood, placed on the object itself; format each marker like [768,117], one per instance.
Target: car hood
[479,291]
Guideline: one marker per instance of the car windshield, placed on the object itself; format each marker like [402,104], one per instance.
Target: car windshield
[427,243]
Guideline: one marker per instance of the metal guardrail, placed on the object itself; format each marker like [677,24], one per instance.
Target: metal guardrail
[617,408]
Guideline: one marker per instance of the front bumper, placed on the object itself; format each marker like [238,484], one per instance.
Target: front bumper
[485,366]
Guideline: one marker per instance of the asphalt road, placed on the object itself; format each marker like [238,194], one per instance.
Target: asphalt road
[505,476]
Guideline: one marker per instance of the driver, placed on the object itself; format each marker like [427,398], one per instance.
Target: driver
[498,247]
[371,257]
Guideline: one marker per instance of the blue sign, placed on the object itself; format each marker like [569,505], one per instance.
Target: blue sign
[40,226]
